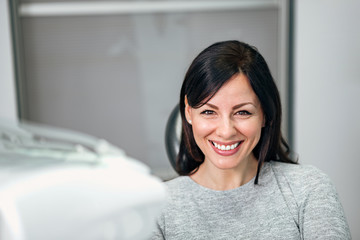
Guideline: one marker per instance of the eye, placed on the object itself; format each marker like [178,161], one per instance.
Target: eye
[207,112]
[243,113]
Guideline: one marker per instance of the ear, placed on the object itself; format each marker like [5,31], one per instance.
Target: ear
[188,110]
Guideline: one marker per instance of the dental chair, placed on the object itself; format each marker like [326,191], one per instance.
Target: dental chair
[58,184]
[172,135]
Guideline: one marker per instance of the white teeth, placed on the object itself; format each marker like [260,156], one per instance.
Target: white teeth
[225,147]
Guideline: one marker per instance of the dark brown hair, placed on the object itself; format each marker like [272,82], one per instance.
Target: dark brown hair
[208,72]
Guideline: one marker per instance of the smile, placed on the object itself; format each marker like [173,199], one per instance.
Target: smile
[225,147]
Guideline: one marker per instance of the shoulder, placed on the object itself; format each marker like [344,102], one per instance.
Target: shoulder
[304,175]
[304,181]
[178,184]
[295,168]
[178,189]
[320,213]
[180,203]
[319,209]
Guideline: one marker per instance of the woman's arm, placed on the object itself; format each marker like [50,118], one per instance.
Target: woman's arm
[321,215]
[158,233]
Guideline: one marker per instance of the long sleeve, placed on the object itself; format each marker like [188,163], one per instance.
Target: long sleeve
[321,215]
[158,233]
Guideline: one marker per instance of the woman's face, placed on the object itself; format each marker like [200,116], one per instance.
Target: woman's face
[228,126]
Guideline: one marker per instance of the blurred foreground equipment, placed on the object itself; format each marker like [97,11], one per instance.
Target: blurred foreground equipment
[58,184]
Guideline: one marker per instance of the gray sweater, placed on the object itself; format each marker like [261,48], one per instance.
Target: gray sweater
[290,202]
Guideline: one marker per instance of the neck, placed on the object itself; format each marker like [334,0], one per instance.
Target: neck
[225,179]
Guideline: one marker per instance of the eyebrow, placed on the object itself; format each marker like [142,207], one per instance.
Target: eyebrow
[234,107]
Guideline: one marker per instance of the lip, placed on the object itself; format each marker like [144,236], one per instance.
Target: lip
[226,152]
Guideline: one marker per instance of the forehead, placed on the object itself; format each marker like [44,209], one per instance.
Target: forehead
[236,90]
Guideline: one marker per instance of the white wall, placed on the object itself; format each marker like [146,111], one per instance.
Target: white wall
[7,87]
[118,76]
[327,94]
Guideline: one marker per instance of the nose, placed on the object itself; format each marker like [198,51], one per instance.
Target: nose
[226,128]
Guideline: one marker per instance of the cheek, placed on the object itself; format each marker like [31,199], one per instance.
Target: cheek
[201,129]
[252,130]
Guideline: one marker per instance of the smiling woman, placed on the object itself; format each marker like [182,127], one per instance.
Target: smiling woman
[251,87]
[237,179]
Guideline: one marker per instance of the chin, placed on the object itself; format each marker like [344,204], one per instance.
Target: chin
[226,164]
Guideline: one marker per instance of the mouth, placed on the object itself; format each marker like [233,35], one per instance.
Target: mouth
[224,147]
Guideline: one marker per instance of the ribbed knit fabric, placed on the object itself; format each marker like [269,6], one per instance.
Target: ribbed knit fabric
[290,202]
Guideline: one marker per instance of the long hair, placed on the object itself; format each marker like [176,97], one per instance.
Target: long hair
[208,72]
